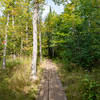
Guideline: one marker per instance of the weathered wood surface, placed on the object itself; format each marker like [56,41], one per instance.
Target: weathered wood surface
[51,87]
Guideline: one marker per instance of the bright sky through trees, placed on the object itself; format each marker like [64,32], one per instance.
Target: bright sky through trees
[38,37]
[58,9]
[54,7]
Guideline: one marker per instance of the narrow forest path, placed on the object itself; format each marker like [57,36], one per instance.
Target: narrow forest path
[50,87]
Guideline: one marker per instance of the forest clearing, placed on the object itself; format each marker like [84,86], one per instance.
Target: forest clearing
[49,50]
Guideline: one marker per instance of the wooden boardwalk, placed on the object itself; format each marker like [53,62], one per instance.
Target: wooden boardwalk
[51,87]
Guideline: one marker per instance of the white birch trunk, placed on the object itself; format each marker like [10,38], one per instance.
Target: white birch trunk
[40,46]
[21,45]
[13,24]
[5,44]
[40,41]
[34,58]
[26,32]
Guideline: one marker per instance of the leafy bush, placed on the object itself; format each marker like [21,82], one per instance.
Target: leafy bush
[90,89]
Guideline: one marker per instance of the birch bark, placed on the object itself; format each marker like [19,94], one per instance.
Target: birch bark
[26,31]
[13,25]
[40,46]
[40,37]
[5,44]
[34,58]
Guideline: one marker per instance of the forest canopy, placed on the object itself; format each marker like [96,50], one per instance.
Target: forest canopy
[71,38]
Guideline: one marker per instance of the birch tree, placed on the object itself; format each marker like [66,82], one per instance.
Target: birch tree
[40,42]
[35,19]
[5,43]
[34,58]
[26,31]
[39,31]
[13,25]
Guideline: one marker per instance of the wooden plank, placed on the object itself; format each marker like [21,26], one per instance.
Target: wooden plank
[59,92]
[46,91]
[56,91]
[43,92]
[51,87]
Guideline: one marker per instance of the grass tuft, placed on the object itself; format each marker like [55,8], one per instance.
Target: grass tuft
[15,82]
[72,81]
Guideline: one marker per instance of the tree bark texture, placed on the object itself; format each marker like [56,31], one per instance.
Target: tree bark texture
[5,44]
[34,58]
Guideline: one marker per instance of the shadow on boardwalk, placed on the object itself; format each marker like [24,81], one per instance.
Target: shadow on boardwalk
[50,87]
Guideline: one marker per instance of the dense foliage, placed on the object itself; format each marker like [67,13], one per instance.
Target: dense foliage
[72,38]
[90,89]
[19,27]
[74,35]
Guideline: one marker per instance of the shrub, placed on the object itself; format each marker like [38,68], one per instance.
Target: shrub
[90,89]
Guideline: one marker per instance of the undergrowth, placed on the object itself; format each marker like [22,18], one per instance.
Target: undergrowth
[79,84]
[15,83]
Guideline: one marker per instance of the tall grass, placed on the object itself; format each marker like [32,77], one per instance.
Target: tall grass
[74,84]
[15,83]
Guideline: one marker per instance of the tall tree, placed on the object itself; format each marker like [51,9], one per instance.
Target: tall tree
[35,18]
[40,42]
[13,24]
[5,43]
